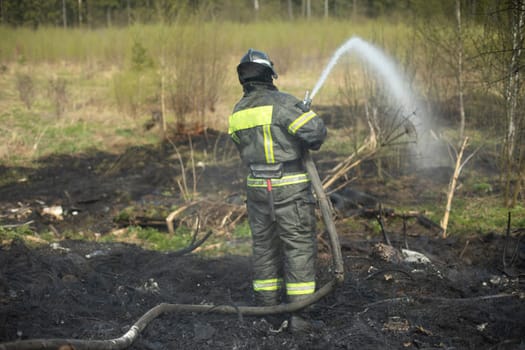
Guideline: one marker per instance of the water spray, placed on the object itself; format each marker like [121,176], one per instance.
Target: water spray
[383,66]
[397,87]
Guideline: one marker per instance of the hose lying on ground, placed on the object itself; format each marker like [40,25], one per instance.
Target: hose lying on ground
[131,335]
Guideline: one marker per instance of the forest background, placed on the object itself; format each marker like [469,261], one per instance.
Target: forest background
[84,75]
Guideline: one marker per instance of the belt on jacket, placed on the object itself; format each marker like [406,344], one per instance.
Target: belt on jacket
[276,175]
[276,170]
[283,181]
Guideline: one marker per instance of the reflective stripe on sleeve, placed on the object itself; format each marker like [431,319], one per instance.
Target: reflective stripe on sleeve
[250,118]
[283,181]
[300,288]
[299,122]
[271,284]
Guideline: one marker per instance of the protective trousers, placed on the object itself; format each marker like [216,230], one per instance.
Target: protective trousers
[284,249]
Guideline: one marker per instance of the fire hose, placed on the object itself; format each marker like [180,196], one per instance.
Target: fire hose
[131,335]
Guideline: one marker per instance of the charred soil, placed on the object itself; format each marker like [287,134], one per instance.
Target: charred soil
[462,297]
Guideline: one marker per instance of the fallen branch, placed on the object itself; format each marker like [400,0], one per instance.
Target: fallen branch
[377,139]
[241,212]
[17,225]
[239,217]
[464,249]
[343,167]
[426,222]
[376,273]
[406,299]
[411,299]
[506,342]
[462,300]
[174,214]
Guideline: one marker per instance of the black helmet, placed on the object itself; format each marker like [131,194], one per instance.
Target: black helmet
[258,57]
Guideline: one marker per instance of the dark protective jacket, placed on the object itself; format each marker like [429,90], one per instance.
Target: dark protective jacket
[271,127]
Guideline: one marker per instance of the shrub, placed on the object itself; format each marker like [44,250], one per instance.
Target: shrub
[26,89]
[140,59]
[57,93]
[133,89]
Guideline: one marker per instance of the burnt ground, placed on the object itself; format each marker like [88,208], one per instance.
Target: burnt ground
[85,289]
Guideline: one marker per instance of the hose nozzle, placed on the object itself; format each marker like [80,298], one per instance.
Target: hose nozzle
[307,100]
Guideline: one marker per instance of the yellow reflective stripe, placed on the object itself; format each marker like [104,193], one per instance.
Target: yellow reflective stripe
[283,181]
[267,285]
[300,288]
[303,119]
[268,144]
[250,118]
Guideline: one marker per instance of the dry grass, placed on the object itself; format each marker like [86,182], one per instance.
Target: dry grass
[92,62]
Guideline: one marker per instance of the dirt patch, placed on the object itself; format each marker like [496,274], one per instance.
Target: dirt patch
[463,298]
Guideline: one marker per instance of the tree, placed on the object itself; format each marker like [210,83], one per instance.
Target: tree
[513,92]
[445,42]
[80,13]
[459,75]
[503,51]
[307,8]
[64,13]
[256,8]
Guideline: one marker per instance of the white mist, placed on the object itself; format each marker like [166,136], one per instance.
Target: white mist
[396,86]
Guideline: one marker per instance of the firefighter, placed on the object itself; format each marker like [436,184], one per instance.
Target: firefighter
[272,130]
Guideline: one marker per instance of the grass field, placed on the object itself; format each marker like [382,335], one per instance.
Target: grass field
[77,91]
[99,86]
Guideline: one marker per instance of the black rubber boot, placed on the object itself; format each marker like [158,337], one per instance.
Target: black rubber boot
[277,322]
[299,321]
[299,324]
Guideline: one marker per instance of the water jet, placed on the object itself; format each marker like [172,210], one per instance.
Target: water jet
[397,87]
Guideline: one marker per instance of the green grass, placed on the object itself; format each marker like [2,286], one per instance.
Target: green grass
[153,239]
[34,137]
[478,215]
[113,45]
[237,243]
[9,233]
[148,238]
[242,230]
